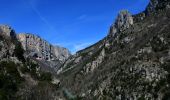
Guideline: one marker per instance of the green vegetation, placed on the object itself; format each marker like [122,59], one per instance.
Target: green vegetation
[18,51]
[158,45]
[42,91]
[45,76]
[84,54]
[9,80]
[166,96]
[31,67]
[33,84]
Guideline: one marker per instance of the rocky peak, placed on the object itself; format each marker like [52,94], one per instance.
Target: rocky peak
[123,21]
[7,31]
[41,49]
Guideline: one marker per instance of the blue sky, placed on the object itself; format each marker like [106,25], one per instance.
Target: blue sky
[74,24]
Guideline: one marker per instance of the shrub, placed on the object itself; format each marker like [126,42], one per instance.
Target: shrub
[9,80]
[18,52]
[166,96]
[24,69]
[46,76]
[31,70]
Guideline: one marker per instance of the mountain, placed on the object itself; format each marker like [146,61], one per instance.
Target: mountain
[21,76]
[48,55]
[130,63]
[41,49]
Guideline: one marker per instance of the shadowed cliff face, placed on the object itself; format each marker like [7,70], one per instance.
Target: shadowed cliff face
[130,63]
[41,49]
[48,55]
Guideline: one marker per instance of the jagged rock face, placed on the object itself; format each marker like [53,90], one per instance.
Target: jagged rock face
[6,48]
[123,21]
[41,49]
[7,31]
[10,48]
[91,66]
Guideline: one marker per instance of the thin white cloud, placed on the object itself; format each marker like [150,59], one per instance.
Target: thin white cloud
[74,47]
[42,18]
[81,46]
[33,5]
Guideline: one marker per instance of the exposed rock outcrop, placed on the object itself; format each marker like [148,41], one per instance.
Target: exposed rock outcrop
[7,31]
[41,49]
[123,21]
[10,48]
[91,66]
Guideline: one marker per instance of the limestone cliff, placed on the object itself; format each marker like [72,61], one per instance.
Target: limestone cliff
[41,49]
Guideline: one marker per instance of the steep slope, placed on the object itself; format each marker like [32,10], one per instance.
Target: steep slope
[131,63]
[21,77]
[9,46]
[48,55]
